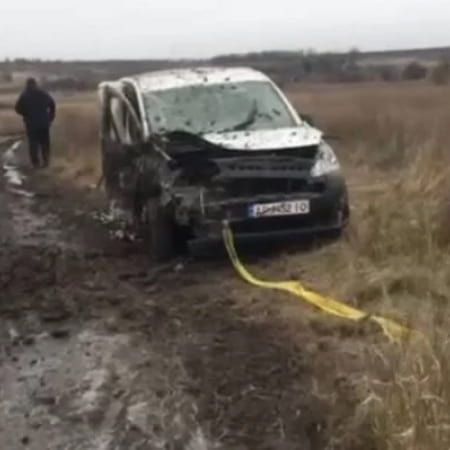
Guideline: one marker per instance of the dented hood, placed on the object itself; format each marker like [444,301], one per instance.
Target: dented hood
[281,138]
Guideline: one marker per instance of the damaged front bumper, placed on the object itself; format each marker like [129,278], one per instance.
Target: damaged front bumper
[328,212]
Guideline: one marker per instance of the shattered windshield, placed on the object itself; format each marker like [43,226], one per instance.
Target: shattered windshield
[218,108]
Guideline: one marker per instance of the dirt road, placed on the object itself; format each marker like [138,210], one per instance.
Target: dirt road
[99,350]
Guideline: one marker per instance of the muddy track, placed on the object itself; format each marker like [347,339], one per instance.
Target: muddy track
[100,350]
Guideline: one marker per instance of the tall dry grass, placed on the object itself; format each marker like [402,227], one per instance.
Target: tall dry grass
[76,147]
[10,123]
[396,152]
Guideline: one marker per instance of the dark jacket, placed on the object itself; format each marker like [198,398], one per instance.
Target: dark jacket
[37,108]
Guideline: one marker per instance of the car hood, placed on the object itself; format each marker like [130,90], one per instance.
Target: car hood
[281,138]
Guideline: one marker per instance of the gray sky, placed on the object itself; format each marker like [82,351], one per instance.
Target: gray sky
[101,29]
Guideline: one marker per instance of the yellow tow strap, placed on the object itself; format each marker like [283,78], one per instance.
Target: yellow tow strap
[394,331]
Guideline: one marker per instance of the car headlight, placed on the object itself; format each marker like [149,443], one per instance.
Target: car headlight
[326,161]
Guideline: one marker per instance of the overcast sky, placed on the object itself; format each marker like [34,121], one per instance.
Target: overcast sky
[100,29]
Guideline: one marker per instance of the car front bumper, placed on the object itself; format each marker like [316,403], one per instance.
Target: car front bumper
[328,213]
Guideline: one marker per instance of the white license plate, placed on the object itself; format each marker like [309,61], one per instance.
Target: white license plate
[291,208]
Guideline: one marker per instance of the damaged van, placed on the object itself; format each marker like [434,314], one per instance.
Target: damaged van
[185,150]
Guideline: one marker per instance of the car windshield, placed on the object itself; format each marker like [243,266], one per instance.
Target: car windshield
[218,108]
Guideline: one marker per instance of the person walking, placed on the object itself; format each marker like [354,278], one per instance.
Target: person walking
[38,111]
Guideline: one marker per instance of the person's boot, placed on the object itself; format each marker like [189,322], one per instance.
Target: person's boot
[34,159]
[45,158]
[35,163]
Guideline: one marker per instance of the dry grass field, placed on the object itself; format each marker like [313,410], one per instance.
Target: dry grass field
[393,141]
[395,148]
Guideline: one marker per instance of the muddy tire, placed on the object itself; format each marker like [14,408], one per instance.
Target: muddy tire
[159,233]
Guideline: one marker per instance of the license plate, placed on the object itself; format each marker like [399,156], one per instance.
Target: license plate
[291,208]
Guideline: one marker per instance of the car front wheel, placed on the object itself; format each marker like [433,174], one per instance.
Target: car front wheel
[159,231]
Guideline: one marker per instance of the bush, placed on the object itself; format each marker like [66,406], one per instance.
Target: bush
[415,71]
[6,76]
[440,74]
[387,73]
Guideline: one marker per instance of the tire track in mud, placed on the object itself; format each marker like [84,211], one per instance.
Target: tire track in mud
[102,351]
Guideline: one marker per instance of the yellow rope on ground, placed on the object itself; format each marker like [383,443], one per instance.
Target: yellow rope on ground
[393,330]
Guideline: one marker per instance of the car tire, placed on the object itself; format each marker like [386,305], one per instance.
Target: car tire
[159,233]
[346,216]
[345,229]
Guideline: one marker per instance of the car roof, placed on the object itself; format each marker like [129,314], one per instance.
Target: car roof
[177,78]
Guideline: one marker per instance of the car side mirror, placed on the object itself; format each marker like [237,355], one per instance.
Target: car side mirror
[308,119]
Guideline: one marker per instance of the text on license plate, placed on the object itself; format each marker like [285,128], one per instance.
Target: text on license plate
[289,208]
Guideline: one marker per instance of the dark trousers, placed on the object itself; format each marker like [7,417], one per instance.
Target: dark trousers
[39,146]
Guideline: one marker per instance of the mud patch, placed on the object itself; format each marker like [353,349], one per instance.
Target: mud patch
[83,392]
[28,227]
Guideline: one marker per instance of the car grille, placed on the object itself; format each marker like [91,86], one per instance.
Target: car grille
[268,186]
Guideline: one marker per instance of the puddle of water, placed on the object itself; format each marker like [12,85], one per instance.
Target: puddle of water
[10,153]
[12,173]
[21,192]
[13,176]
[28,227]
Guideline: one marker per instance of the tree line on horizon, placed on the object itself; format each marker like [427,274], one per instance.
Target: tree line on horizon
[283,66]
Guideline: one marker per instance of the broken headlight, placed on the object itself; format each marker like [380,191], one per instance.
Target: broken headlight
[326,161]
